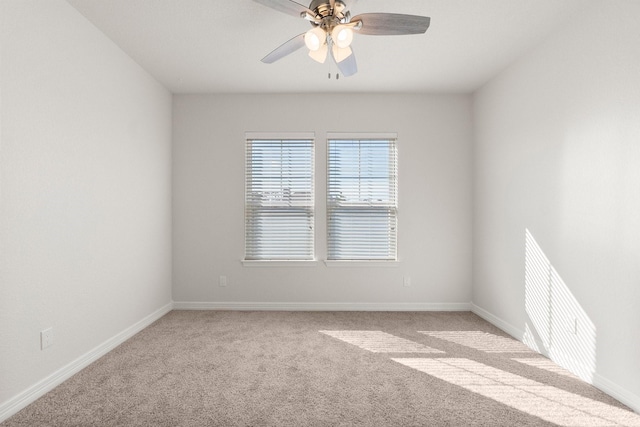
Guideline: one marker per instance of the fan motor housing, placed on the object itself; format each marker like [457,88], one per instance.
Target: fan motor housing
[322,9]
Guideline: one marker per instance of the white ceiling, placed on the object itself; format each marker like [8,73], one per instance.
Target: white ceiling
[215,46]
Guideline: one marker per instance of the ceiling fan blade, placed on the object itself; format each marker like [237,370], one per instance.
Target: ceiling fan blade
[285,49]
[348,66]
[289,7]
[389,24]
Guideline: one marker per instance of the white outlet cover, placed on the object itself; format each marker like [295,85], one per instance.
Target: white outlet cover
[46,338]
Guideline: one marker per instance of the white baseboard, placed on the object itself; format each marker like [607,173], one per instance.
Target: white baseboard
[617,392]
[496,321]
[30,395]
[320,306]
[612,389]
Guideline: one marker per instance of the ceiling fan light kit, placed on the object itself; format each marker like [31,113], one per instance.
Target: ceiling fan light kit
[315,38]
[342,35]
[340,54]
[320,55]
[333,30]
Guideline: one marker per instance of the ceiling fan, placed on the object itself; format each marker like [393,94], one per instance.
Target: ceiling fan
[333,29]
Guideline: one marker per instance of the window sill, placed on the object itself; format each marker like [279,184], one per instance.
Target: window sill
[269,263]
[363,263]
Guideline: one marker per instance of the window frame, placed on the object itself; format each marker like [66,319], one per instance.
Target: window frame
[250,212]
[393,260]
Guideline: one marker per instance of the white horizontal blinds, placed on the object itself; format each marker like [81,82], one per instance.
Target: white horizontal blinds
[362,199]
[279,211]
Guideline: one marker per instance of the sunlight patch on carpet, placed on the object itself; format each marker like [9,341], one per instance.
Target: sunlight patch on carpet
[543,401]
[482,341]
[546,364]
[380,342]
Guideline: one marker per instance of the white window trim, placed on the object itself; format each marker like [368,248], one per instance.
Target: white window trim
[362,135]
[360,263]
[279,135]
[278,263]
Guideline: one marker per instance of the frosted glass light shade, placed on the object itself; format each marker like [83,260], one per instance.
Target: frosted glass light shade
[315,38]
[320,55]
[342,36]
[340,54]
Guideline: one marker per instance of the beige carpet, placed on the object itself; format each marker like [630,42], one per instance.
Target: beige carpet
[208,368]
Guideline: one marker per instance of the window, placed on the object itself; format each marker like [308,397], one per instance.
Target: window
[362,205]
[279,200]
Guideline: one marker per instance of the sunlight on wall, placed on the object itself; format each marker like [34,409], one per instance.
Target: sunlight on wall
[557,325]
[482,341]
[529,338]
[380,342]
[543,401]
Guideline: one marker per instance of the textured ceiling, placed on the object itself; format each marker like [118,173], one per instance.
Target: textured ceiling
[213,46]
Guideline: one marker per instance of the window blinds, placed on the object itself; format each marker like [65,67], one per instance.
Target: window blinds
[279,199]
[362,199]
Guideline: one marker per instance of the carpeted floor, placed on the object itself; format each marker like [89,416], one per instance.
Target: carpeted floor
[229,368]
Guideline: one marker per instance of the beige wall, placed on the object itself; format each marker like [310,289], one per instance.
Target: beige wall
[557,153]
[85,191]
[434,155]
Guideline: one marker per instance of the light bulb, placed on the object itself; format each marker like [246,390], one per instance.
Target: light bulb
[342,36]
[315,38]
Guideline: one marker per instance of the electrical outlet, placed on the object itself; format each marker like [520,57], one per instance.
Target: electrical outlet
[46,338]
[406,281]
[223,281]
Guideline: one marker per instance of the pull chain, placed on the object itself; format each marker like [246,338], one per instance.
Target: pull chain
[330,66]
